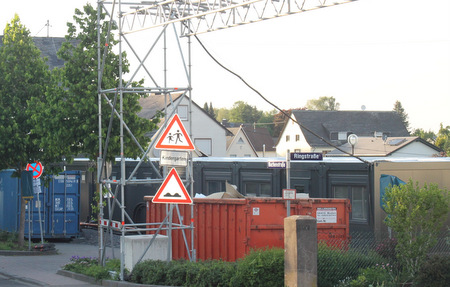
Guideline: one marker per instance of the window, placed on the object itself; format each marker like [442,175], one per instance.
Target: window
[256,183]
[182,112]
[288,138]
[358,199]
[215,186]
[205,145]
[341,136]
[256,189]
[297,138]
[214,180]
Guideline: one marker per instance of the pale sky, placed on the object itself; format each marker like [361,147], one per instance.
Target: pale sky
[369,52]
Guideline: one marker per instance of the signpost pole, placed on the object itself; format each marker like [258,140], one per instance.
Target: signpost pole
[288,179]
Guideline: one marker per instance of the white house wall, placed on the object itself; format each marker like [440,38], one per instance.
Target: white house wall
[243,149]
[292,130]
[415,149]
[203,128]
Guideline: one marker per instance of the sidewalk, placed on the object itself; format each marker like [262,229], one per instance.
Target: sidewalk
[41,270]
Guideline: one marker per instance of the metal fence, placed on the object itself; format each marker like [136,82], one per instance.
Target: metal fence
[363,250]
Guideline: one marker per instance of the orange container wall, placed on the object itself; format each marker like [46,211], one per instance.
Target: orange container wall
[228,229]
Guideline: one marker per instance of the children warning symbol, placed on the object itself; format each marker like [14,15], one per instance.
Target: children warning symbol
[172,190]
[175,136]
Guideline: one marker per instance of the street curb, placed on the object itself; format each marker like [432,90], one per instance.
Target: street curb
[27,253]
[106,283]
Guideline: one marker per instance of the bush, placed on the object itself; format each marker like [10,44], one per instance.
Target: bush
[260,268]
[150,272]
[416,215]
[334,265]
[434,272]
[378,275]
[89,266]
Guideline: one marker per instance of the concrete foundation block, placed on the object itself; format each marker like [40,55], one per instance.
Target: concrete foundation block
[135,245]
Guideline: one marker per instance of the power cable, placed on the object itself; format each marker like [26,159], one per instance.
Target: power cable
[273,105]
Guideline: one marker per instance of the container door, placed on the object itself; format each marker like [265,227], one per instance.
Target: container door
[65,197]
[37,211]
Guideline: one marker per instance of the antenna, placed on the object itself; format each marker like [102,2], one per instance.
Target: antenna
[48,28]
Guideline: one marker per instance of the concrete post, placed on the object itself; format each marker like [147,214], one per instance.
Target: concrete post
[300,251]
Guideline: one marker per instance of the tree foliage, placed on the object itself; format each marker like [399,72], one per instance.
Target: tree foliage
[241,112]
[323,104]
[443,139]
[69,117]
[416,216]
[398,108]
[24,77]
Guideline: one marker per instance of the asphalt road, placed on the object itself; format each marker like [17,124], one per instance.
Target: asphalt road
[41,270]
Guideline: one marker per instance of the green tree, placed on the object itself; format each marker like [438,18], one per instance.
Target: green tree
[242,112]
[398,108]
[69,117]
[266,120]
[222,114]
[209,109]
[416,216]
[24,76]
[443,139]
[323,104]
[429,136]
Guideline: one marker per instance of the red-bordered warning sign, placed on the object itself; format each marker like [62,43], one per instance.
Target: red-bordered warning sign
[175,136]
[36,168]
[172,190]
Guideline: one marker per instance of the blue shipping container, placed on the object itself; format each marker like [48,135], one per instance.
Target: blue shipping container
[55,210]
[9,204]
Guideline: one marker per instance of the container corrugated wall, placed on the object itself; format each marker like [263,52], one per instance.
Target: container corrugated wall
[55,210]
[228,229]
[9,204]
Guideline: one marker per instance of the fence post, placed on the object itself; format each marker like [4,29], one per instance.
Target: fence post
[300,251]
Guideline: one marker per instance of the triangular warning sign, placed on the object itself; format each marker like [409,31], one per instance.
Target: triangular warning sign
[175,136]
[172,190]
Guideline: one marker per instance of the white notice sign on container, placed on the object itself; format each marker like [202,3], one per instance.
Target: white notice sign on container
[326,215]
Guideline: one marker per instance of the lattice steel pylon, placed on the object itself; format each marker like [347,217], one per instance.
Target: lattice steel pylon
[195,17]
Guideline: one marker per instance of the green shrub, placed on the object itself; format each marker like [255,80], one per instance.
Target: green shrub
[434,272]
[89,266]
[379,275]
[150,272]
[260,268]
[416,215]
[334,265]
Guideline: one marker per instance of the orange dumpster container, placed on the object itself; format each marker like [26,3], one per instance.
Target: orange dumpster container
[228,229]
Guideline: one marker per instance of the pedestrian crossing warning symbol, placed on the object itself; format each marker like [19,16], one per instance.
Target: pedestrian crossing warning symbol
[175,136]
[172,190]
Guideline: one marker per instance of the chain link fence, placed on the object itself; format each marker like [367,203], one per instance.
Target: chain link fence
[363,250]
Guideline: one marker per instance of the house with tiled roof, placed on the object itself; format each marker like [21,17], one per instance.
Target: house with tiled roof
[250,141]
[323,131]
[49,46]
[207,134]
[387,147]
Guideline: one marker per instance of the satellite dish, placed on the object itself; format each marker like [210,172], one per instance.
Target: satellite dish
[363,107]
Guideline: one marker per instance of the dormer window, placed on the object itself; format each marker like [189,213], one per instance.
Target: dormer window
[339,136]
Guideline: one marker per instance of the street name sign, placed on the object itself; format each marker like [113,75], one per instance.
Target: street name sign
[306,156]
